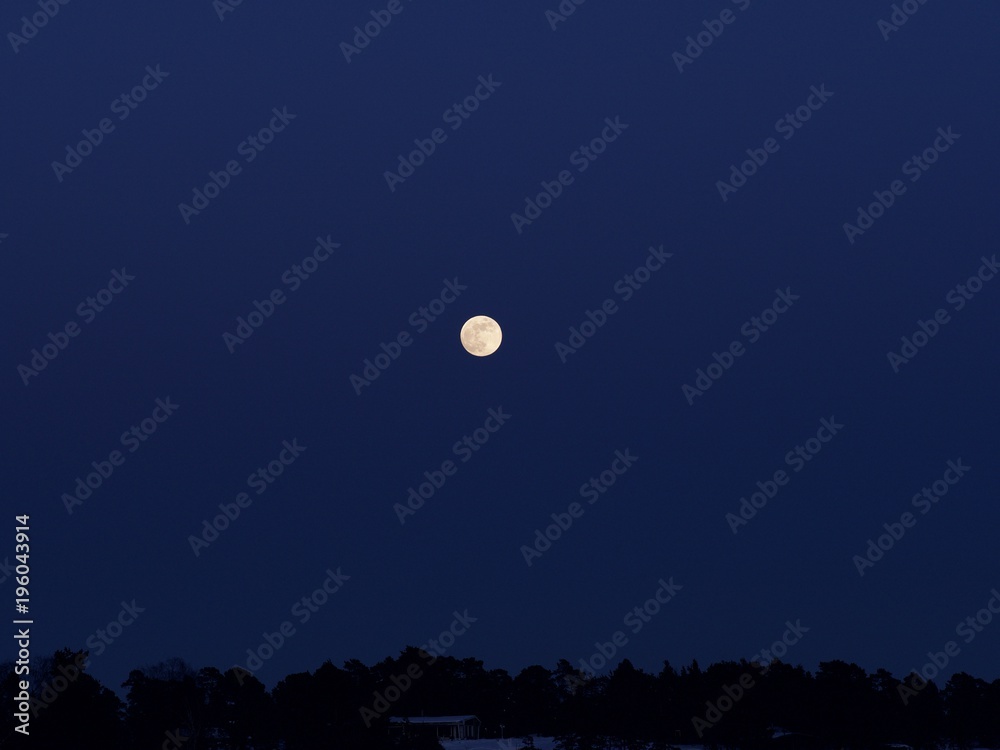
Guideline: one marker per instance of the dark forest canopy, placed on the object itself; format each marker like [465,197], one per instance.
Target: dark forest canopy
[728,704]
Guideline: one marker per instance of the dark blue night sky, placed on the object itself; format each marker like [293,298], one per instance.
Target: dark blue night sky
[240,241]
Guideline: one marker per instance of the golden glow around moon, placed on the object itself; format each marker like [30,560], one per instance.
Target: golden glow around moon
[481,336]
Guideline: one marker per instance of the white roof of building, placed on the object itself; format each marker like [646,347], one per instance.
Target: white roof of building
[431,719]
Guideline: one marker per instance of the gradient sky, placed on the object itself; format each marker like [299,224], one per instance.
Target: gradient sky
[321,181]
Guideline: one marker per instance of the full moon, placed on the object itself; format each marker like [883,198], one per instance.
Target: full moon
[481,336]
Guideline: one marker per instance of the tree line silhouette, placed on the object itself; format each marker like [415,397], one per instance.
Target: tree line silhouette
[729,704]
